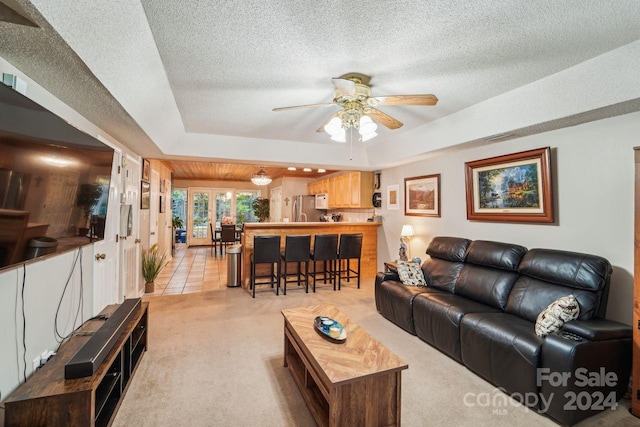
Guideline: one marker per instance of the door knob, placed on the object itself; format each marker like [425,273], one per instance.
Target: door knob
[153,233]
[100,256]
[137,241]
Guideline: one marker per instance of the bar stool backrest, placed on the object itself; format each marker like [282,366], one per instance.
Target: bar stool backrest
[228,233]
[297,248]
[350,246]
[266,249]
[325,247]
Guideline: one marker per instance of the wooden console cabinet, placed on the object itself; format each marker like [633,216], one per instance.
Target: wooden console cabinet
[47,399]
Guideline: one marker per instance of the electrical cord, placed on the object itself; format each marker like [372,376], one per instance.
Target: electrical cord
[24,325]
[59,336]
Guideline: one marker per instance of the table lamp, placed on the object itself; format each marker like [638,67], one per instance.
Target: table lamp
[407,232]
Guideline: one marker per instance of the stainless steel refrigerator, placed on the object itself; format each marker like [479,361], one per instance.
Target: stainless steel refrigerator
[13,189]
[304,209]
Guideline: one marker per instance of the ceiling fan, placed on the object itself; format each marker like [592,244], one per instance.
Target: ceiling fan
[357,108]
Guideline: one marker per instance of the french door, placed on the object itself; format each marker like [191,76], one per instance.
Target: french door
[201,207]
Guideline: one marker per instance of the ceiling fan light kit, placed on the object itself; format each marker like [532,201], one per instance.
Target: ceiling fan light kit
[261,178]
[357,112]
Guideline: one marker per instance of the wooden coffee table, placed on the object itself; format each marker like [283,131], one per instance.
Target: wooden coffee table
[353,383]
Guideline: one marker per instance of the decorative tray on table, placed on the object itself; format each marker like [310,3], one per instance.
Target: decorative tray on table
[330,329]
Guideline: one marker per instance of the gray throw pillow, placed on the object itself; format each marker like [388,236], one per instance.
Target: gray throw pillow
[557,314]
[411,274]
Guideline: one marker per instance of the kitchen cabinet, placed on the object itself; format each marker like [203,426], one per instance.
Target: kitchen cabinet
[349,190]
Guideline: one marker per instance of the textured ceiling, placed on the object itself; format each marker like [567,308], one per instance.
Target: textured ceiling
[200,78]
[229,65]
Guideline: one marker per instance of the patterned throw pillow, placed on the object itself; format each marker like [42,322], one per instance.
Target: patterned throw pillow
[411,274]
[557,314]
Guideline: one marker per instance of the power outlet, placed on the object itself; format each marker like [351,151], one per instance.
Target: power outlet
[36,363]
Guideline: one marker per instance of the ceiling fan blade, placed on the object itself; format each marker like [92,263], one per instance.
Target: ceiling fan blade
[321,128]
[383,118]
[403,100]
[326,104]
[346,87]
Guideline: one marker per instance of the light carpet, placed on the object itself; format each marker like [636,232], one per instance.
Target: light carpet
[216,359]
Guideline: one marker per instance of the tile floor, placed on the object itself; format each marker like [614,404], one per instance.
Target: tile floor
[191,270]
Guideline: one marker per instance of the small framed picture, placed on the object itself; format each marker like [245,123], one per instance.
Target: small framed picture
[511,188]
[422,195]
[146,169]
[145,195]
[162,207]
[393,197]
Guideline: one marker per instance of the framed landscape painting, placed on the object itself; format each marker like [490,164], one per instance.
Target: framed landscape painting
[422,195]
[514,188]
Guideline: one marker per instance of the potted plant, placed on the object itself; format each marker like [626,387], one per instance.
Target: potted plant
[177,225]
[261,209]
[88,196]
[152,263]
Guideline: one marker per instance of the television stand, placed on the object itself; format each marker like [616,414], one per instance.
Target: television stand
[47,398]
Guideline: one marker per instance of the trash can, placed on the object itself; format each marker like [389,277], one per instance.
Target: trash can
[40,246]
[234,266]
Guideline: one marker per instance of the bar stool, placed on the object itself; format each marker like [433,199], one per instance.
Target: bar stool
[325,248]
[227,235]
[296,249]
[350,248]
[266,250]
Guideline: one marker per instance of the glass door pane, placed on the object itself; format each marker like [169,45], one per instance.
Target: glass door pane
[200,211]
[223,207]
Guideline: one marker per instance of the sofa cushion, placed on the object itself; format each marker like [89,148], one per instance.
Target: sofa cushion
[441,274]
[448,248]
[557,314]
[411,274]
[395,302]
[573,269]
[503,349]
[504,256]
[486,285]
[437,319]
[530,296]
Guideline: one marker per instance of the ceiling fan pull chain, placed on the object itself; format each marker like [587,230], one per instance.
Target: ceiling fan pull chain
[351,143]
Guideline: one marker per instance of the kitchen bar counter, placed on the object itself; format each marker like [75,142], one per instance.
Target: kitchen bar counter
[369,232]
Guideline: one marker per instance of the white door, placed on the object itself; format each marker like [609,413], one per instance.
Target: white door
[106,283]
[130,269]
[201,207]
[276,204]
[154,208]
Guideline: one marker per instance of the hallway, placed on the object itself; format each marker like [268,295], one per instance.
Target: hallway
[192,270]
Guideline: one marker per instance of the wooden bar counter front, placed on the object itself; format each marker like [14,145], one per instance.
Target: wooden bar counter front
[369,232]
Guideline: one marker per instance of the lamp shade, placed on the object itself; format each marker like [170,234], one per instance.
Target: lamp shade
[407,231]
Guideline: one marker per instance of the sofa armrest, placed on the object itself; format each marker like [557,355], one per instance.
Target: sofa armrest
[381,277]
[598,329]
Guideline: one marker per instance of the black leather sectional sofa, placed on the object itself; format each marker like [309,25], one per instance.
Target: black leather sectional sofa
[480,306]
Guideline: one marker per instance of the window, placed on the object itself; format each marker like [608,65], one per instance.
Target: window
[244,209]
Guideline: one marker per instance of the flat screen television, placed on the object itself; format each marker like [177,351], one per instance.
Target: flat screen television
[54,182]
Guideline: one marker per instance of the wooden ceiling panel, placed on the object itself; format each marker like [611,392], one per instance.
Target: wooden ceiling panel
[232,171]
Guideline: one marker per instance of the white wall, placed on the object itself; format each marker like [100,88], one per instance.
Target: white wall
[593,178]
[43,290]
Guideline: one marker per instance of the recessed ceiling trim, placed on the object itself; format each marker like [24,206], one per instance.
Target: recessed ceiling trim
[9,15]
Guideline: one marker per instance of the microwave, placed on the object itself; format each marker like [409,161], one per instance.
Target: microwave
[322,201]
